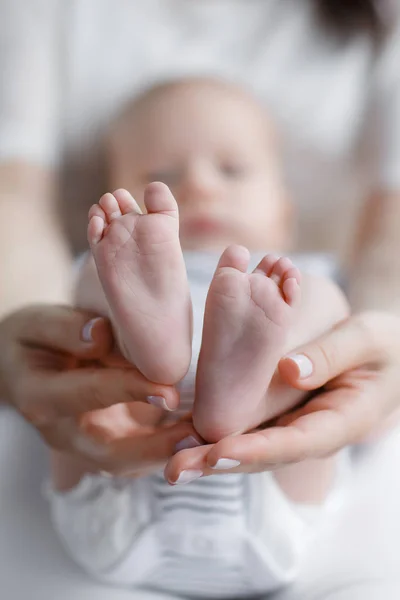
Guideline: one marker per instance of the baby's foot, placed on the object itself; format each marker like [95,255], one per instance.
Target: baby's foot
[142,271]
[246,322]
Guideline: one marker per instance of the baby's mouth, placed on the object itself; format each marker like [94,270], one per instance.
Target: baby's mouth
[203,226]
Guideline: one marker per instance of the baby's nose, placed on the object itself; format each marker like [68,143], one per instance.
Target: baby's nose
[200,186]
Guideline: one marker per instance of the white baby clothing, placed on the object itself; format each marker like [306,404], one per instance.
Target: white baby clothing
[226,536]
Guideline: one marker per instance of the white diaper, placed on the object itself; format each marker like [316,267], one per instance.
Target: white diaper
[226,536]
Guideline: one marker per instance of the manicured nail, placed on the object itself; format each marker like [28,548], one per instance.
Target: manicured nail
[88,328]
[187,477]
[187,442]
[159,401]
[304,364]
[226,463]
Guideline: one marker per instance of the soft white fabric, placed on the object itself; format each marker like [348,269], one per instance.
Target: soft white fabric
[206,554]
[355,557]
[217,537]
[66,67]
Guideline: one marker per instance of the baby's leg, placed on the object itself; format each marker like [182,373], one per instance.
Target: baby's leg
[251,321]
[246,325]
[142,271]
[323,305]
[124,419]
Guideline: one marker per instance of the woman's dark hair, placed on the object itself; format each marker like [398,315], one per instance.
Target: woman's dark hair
[346,18]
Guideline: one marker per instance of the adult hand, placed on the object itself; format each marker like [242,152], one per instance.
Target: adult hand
[57,369]
[358,365]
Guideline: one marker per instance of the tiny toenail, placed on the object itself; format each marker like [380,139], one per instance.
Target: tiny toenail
[187,477]
[88,329]
[186,443]
[303,363]
[160,402]
[226,463]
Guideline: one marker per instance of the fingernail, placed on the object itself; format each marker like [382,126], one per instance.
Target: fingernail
[226,463]
[88,328]
[187,442]
[187,477]
[160,402]
[304,364]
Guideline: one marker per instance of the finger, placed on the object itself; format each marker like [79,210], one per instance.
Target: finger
[63,329]
[342,416]
[119,421]
[333,420]
[187,465]
[260,451]
[66,435]
[145,450]
[44,397]
[350,344]
[128,455]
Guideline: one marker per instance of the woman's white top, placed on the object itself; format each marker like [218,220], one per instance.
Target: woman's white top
[67,67]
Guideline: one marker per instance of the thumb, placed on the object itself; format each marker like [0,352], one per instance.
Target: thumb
[63,329]
[347,346]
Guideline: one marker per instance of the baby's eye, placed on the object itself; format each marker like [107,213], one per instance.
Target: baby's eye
[232,171]
[169,177]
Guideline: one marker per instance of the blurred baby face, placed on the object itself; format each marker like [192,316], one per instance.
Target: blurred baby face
[213,147]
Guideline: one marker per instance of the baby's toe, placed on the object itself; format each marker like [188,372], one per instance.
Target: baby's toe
[234,257]
[96,211]
[96,225]
[158,198]
[186,463]
[110,205]
[279,269]
[291,291]
[126,202]
[266,264]
[292,273]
